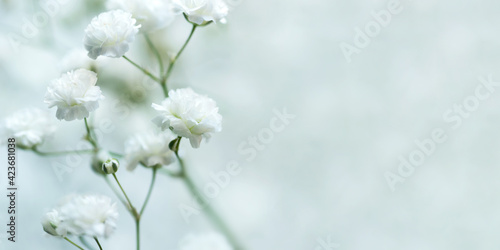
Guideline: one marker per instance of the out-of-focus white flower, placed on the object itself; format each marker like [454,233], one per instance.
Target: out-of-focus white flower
[29,126]
[149,149]
[110,166]
[74,94]
[150,14]
[208,241]
[75,59]
[51,224]
[202,11]
[110,34]
[90,215]
[189,115]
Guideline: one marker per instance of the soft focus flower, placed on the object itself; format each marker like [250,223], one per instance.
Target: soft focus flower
[76,59]
[89,215]
[208,241]
[51,224]
[74,94]
[29,126]
[202,11]
[149,149]
[110,166]
[189,115]
[150,14]
[110,34]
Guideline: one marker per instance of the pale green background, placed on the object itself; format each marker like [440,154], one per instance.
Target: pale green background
[324,174]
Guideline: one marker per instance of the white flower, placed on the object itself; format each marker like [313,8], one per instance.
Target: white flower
[150,14]
[89,215]
[51,224]
[29,126]
[202,11]
[208,241]
[75,59]
[189,115]
[149,149]
[74,94]
[110,34]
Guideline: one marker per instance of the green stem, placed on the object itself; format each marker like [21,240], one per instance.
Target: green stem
[149,191]
[85,243]
[97,241]
[117,193]
[59,153]
[73,243]
[130,207]
[212,214]
[116,154]
[138,234]
[172,62]
[156,52]
[143,70]
[89,135]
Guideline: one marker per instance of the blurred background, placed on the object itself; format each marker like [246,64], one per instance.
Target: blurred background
[331,177]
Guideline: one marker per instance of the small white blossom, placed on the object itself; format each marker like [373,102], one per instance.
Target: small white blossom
[110,34]
[149,149]
[89,215]
[208,241]
[51,224]
[189,115]
[203,11]
[29,127]
[74,94]
[150,14]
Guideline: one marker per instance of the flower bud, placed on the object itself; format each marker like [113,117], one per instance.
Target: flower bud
[110,166]
[98,160]
[51,223]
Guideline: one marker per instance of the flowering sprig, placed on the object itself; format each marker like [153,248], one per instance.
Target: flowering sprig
[184,112]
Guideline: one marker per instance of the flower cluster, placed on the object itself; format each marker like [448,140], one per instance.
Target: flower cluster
[149,149]
[184,113]
[82,215]
[202,12]
[29,126]
[110,34]
[150,14]
[74,94]
[189,115]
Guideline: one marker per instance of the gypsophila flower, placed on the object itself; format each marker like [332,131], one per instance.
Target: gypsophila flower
[74,94]
[110,34]
[29,126]
[208,241]
[51,224]
[75,59]
[202,12]
[150,14]
[88,215]
[149,149]
[189,115]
